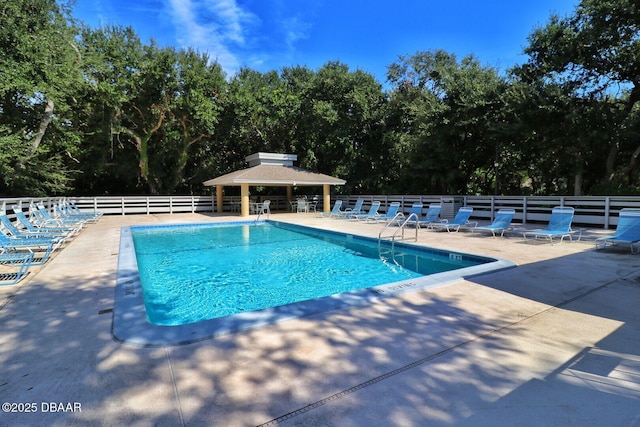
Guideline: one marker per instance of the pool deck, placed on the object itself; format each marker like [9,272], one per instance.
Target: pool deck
[553,342]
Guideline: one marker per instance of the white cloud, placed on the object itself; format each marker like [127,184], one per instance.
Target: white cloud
[212,26]
[295,29]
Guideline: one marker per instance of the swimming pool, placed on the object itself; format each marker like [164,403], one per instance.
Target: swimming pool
[179,284]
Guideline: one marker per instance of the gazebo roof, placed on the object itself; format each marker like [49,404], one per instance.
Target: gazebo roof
[272,172]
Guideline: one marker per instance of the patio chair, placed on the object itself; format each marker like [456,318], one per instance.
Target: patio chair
[20,260]
[66,211]
[16,231]
[356,210]
[35,229]
[65,216]
[43,218]
[559,226]
[302,206]
[460,220]
[627,231]
[335,212]
[30,244]
[265,208]
[501,222]
[432,215]
[74,208]
[372,214]
[389,216]
[412,217]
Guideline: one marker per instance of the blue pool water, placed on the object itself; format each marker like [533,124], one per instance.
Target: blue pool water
[194,273]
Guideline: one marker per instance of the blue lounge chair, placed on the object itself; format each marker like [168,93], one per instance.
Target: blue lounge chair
[356,210]
[431,216]
[73,209]
[413,216]
[335,212]
[389,216]
[460,220]
[15,231]
[559,226]
[500,223]
[65,210]
[30,244]
[48,231]
[44,218]
[372,214]
[627,231]
[22,261]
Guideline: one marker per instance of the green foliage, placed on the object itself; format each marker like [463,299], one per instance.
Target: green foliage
[592,57]
[96,111]
[38,85]
[448,132]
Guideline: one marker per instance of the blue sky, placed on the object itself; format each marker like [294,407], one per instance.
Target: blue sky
[364,34]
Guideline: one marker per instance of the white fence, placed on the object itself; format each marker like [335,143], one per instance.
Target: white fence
[598,211]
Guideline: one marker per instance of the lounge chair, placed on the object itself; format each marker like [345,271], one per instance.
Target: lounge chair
[66,217]
[22,261]
[500,223]
[73,208]
[432,215]
[460,220]
[559,226]
[412,217]
[335,212]
[65,210]
[356,210]
[51,231]
[372,214]
[389,216]
[30,244]
[627,231]
[16,231]
[44,219]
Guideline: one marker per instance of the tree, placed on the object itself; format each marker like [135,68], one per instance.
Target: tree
[38,85]
[340,124]
[161,102]
[446,129]
[194,110]
[594,55]
[112,59]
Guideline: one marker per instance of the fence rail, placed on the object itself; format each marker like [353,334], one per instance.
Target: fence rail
[597,211]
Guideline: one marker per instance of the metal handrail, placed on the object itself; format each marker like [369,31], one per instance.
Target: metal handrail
[392,221]
[401,227]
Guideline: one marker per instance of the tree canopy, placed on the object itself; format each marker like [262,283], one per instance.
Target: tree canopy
[97,111]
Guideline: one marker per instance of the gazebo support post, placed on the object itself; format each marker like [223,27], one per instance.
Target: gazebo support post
[289,194]
[219,192]
[326,198]
[244,199]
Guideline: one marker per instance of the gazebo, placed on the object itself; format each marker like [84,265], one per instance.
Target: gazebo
[272,170]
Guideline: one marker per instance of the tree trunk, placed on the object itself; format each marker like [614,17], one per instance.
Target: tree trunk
[37,139]
[577,184]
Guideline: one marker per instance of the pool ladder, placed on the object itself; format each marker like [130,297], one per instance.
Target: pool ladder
[396,219]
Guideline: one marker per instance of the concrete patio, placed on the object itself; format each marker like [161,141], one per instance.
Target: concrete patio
[553,342]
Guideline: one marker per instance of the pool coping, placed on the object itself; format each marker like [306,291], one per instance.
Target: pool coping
[129,314]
